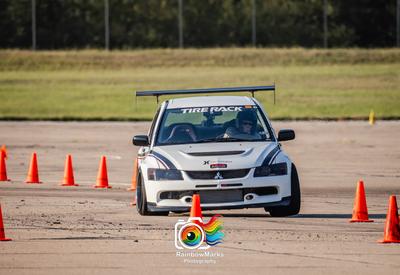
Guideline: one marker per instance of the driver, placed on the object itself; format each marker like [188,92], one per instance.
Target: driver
[245,126]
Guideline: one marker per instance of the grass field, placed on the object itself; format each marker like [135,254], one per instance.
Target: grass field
[96,85]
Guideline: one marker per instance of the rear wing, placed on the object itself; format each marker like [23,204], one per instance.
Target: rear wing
[250,89]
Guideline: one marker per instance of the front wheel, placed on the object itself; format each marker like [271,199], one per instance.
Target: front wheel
[141,200]
[295,200]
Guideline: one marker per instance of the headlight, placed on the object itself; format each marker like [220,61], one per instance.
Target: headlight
[164,174]
[271,170]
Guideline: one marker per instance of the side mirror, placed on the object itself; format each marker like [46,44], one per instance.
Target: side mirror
[140,140]
[286,134]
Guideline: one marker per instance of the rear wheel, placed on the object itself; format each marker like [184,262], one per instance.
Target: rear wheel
[141,200]
[295,200]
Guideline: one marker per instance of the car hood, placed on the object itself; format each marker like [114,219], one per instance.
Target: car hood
[214,156]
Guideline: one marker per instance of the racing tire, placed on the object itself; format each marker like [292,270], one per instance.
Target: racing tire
[141,200]
[295,200]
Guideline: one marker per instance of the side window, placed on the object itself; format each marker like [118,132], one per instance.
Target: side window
[263,120]
[262,128]
[153,124]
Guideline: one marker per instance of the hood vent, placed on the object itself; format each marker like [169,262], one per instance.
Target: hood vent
[216,153]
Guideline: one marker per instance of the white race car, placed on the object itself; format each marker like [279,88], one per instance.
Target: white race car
[220,147]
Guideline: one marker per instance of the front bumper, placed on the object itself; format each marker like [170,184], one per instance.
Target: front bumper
[226,199]
[152,207]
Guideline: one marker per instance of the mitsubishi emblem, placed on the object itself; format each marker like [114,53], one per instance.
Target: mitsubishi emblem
[218,176]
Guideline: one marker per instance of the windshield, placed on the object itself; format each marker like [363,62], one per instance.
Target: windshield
[213,124]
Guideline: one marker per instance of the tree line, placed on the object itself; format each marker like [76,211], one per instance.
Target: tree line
[62,24]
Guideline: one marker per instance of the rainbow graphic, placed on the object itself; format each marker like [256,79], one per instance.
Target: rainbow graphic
[192,235]
[213,231]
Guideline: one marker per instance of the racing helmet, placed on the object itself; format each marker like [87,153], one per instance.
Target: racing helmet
[248,115]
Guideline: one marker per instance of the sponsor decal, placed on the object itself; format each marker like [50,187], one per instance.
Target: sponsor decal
[218,165]
[220,162]
[212,109]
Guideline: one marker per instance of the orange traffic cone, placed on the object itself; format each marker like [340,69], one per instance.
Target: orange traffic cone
[4,149]
[68,173]
[102,177]
[3,168]
[391,232]
[134,181]
[2,233]
[33,173]
[195,211]
[360,211]
[134,176]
